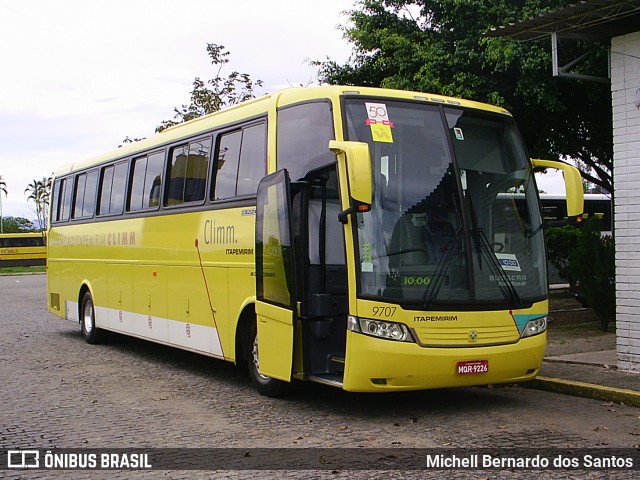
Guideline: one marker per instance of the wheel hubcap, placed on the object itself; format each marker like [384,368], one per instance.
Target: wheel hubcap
[88,317]
[256,361]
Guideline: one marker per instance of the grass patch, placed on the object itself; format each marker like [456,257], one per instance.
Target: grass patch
[14,270]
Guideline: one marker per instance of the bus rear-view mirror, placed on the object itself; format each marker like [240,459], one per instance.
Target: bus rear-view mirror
[572,183]
[355,159]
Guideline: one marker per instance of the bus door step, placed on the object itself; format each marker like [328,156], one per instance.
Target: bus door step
[331,380]
[336,364]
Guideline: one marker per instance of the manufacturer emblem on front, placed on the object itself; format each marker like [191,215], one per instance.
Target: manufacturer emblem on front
[473,335]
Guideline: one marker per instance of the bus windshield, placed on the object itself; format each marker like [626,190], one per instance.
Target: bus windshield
[433,237]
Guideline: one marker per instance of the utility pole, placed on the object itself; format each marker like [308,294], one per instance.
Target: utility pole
[3,188]
[1,219]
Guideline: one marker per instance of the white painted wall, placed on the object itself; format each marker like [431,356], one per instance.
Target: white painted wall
[625,82]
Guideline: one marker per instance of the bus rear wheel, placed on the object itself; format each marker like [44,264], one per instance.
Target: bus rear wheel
[267,386]
[90,332]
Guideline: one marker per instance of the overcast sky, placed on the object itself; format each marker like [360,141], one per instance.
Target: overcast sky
[80,76]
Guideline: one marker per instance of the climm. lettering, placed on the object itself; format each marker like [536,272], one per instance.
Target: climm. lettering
[121,238]
[219,234]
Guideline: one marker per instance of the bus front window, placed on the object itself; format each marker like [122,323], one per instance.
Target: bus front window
[439,233]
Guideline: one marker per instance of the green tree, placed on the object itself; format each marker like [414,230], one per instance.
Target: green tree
[214,94]
[442,47]
[40,193]
[3,189]
[17,225]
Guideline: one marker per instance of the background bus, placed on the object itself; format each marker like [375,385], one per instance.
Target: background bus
[598,205]
[341,235]
[554,213]
[554,208]
[23,249]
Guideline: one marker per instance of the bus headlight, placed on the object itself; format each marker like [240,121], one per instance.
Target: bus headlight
[534,327]
[381,329]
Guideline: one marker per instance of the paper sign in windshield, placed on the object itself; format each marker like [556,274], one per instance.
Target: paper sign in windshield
[378,120]
[508,261]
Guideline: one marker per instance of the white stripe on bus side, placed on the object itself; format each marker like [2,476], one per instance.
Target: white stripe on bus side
[190,336]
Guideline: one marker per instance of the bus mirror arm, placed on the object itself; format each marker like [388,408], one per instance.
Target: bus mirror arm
[355,207]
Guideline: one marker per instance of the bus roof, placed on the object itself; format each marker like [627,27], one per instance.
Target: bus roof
[259,106]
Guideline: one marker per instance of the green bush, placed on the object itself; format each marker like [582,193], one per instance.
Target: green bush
[592,264]
[561,241]
[584,257]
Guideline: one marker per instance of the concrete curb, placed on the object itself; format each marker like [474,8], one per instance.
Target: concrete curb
[587,390]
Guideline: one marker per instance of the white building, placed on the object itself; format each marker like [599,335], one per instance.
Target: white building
[618,21]
[625,90]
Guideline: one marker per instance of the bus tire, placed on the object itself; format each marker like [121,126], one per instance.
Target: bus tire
[267,386]
[90,332]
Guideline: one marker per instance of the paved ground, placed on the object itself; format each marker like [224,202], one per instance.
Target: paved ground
[573,329]
[59,392]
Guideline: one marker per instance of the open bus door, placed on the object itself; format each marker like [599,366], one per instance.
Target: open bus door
[276,300]
[322,309]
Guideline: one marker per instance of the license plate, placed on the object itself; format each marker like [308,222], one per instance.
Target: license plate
[472,368]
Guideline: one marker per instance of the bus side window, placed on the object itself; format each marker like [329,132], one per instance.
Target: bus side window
[64,204]
[241,162]
[253,159]
[105,190]
[153,180]
[177,174]
[112,186]
[89,201]
[146,182]
[187,175]
[137,184]
[116,204]
[56,203]
[78,198]
[227,158]
[197,167]
[85,194]
[304,132]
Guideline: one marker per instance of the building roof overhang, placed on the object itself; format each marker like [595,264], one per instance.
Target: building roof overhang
[588,19]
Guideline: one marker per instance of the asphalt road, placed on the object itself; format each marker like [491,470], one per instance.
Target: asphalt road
[59,392]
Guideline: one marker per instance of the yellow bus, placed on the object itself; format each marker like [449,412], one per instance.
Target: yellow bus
[23,249]
[340,235]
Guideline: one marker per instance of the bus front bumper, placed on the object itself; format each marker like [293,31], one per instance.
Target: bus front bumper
[377,365]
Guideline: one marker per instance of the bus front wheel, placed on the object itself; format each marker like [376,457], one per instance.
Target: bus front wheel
[267,386]
[90,331]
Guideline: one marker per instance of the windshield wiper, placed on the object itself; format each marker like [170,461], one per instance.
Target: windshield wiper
[505,284]
[483,245]
[431,293]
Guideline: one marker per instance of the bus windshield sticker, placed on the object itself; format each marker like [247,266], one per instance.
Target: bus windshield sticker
[458,133]
[367,258]
[378,120]
[508,261]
